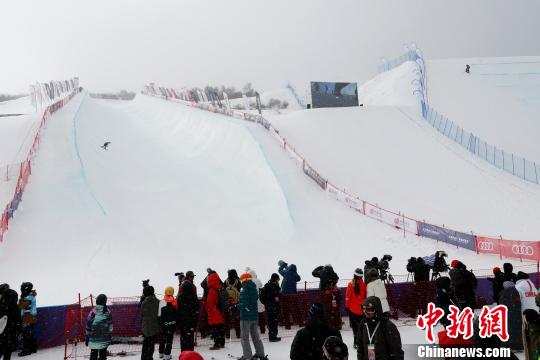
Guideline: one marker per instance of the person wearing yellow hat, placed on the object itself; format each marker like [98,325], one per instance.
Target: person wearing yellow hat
[168,317]
[249,318]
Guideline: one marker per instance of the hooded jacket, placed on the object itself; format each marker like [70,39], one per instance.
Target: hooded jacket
[376,288]
[248,304]
[328,277]
[308,342]
[215,317]
[9,308]
[385,335]
[99,327]
[149,311]
[258,283]
[188,305]
[290,278]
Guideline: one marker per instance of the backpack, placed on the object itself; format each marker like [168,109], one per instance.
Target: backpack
[263,295]
[233,293]
[223,299]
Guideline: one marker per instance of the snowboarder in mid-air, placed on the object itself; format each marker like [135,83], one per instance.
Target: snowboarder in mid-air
[105,145]
[467,68]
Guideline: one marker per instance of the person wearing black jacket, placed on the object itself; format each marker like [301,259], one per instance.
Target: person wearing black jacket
[464,284]
[445,297]
[188,312]
[270,296]
[377,335]
[497,283]
[509,274]
[9,308]
[308,341]
[330,294]
[421,285]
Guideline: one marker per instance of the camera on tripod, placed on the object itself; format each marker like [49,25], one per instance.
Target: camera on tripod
[382,266]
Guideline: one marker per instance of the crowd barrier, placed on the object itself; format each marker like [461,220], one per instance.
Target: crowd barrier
[406,299]
[395,219]
[25,168]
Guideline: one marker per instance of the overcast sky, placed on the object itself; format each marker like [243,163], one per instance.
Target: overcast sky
[121,44]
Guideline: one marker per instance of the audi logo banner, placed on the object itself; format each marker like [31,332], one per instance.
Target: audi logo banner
[485,245]
[448,236]
[527,250]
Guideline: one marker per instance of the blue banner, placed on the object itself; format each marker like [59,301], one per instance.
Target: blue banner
[448,236]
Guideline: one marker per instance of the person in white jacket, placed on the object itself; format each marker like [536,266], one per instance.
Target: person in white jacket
[527,292]
[260,307]
[375,287]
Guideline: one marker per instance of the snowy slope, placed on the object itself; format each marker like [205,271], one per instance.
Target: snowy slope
[178,189]
[21,105]
[498,101]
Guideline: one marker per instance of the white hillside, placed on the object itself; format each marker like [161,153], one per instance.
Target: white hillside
[499,100]
[178,189]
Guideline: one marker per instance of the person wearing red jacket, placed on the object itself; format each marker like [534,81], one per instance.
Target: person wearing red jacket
[215,315]
[354,297]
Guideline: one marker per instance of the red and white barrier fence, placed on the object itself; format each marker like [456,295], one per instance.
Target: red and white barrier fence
[25,169]
[522,250]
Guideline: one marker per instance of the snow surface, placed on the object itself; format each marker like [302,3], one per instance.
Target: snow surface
[499,100]
[183,189]
[21,105]
[178,189]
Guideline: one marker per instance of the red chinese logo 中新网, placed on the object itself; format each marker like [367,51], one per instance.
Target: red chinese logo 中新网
[491,322]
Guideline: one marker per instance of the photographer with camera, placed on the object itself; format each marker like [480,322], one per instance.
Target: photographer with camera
[290,304]
[382,266]
[330,294]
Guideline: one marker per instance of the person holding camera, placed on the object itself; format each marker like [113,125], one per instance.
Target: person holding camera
[168,318]
[375,287]
[290,306]
[99,329]
[150,322]
[330,294]
[188,309]
[354,297]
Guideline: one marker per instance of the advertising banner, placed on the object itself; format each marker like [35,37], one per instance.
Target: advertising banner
[390,218]
[293,155]
[314,175]
[333,94]
[452,237]
[529,250]
[520,249]
[345,198]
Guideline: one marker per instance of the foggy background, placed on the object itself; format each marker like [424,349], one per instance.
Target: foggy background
[122,44]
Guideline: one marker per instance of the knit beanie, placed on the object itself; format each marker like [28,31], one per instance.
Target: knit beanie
[101,299]
[454,263]
[496,270]
[316,310]
[245,277]
[358,272]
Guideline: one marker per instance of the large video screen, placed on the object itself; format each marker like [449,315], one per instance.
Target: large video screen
[333,94]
